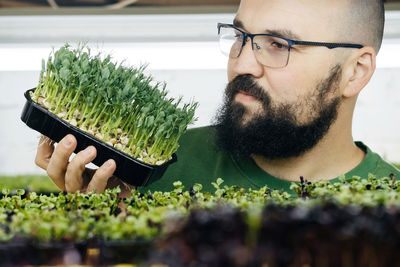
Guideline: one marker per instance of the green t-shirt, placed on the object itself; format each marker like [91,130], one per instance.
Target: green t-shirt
[201,161]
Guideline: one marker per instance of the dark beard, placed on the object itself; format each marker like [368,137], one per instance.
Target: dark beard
[275,133]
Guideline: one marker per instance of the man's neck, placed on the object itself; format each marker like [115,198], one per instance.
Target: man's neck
[327,160]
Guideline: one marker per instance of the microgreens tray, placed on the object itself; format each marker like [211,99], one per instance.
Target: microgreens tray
[129,169]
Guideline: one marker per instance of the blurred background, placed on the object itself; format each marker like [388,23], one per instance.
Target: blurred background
[177,38]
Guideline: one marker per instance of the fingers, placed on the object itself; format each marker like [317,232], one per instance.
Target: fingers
[67,175]
[58,162]
[76,168]
[44,152]
[99,181]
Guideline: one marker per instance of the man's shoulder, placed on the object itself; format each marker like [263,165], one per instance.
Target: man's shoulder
[385,168]
[198,136]
[376,165]
[200,131]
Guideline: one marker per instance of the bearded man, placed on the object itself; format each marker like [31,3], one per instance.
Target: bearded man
[295,71]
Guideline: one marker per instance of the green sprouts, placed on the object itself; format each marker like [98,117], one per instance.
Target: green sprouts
[117,104]
[80,216]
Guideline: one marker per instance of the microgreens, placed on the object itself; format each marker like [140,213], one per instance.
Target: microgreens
[33,213]
[117,104]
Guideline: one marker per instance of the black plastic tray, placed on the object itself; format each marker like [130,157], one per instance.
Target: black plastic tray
[129,169]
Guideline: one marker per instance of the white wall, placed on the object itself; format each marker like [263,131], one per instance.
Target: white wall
[181,50]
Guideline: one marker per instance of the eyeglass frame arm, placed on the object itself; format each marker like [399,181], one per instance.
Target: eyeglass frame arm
[290,41]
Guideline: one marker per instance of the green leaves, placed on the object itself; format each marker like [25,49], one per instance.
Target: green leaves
[5,191]
[105,73]
[64,73]
[75,82]
[81,216]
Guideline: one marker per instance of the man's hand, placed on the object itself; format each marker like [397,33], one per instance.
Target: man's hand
[73,175]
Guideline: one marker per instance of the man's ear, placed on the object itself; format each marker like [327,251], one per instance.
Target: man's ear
[359,70]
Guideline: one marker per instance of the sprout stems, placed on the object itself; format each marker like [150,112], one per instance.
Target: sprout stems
[114,102]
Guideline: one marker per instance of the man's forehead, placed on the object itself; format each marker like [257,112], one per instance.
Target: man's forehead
[302,19]
[279,32]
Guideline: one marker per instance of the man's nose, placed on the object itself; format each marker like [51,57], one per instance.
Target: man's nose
[246,62]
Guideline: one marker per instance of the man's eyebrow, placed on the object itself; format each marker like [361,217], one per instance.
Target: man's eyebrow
[238,23]
[281,33]
[284,33]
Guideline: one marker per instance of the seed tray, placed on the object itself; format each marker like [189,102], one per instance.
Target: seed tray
[129,169]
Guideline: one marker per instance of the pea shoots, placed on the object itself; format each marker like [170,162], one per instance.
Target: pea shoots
[117,104]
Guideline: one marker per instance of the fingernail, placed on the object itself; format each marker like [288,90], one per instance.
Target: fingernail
[68,141]
[108,163]
[89,150]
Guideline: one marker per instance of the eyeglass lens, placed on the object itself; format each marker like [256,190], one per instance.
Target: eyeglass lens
[270,51]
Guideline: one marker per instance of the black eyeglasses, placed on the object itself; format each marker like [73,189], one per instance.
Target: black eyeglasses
[270,50]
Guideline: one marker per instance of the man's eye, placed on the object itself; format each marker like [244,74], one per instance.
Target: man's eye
[238,35]
[278,45]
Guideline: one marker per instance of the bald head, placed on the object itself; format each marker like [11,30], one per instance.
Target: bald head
[363,22]
[346,21]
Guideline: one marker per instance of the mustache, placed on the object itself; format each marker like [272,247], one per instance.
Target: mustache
[247,84]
